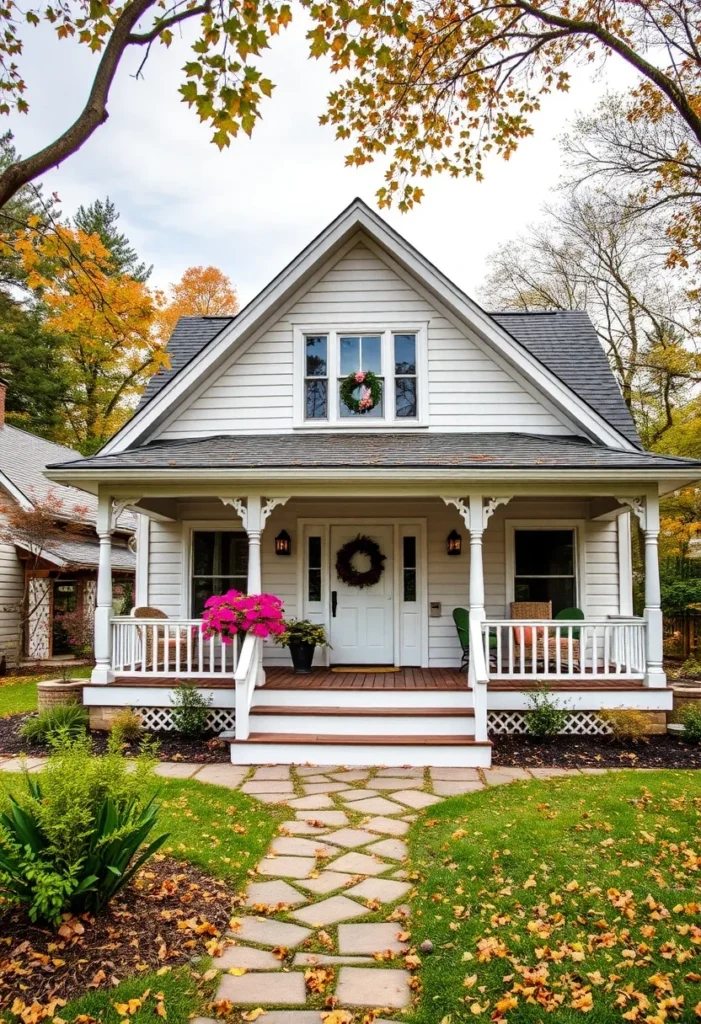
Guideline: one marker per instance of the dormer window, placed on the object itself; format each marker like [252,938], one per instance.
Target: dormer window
[324,359]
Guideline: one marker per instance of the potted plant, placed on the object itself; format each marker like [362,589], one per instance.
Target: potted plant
[302,637]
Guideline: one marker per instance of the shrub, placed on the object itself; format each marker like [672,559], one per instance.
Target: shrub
[190,709]
[691,720]
[69,720]
[691,669]
[302,631]
[628,725]
[73,839]
[545,716]
[127,726]
[77,632]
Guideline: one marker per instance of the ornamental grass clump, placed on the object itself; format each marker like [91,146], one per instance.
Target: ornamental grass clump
[70,720]
[227,615]
[75,836]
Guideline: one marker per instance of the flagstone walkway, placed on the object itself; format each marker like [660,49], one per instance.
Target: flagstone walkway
[326,917]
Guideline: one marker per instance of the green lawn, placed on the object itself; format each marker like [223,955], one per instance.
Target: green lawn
[562,899]
[19,693]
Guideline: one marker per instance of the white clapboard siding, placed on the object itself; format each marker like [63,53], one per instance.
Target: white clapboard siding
[11,593]
[254,392]
[448,577]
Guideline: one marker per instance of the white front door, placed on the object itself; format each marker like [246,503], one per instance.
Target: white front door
[362,620]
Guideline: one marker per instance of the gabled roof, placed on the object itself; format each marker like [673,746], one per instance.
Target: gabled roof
[355,221]
[564,341]
[368,451]
[23,457]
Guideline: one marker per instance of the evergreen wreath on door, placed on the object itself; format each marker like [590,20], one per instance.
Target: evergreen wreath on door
[370,391]
[346,571]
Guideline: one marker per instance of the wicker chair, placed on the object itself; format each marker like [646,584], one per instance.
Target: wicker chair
[540,610]
[144,612]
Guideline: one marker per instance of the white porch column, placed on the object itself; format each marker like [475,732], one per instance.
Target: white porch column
[102,673]
[476,525]
[254,514]
[654,670]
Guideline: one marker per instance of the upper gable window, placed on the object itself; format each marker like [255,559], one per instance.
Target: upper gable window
[396,357]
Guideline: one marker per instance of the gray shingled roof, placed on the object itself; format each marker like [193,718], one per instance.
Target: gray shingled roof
[564,341]
[391,450]
[23,457]
[191,335]
[85,553]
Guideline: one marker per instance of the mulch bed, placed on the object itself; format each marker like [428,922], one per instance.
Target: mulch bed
[206,750]
[594,752]
[170,913]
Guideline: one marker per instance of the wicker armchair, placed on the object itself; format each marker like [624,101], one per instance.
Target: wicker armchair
[539,610]
[144,612]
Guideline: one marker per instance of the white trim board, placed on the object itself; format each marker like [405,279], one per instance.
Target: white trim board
[343,232]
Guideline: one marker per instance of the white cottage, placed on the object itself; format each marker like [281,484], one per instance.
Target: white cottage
[497,472]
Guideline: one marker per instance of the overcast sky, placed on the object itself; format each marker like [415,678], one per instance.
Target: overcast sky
[250,208]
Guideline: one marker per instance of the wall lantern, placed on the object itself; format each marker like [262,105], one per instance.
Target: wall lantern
[283,544]
[453,543]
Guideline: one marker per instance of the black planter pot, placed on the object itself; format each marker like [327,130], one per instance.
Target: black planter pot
[302,657]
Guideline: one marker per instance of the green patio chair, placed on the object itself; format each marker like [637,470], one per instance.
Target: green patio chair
[461,618]
[570,614]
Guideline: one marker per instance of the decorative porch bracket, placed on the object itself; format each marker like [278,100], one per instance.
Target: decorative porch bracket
[253,515]
[489,507]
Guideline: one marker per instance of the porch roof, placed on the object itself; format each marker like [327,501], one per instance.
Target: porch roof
[375,450]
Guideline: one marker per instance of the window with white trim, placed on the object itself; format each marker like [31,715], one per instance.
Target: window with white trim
[396,357]
[545,566]
[219,563]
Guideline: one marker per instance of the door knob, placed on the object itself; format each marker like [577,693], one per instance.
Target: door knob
[334,602]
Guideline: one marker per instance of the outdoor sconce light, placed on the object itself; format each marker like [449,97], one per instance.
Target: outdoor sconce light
[283,544]
[453,544]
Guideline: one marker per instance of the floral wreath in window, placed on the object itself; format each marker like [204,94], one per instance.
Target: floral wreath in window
[346,571]
[370,391]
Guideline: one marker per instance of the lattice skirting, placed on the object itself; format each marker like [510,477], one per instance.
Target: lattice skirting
[578,723]
[161,719]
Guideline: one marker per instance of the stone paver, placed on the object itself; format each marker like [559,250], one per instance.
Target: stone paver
[267,932]
[16,764]
[270,894]
[368,939]
[314,959]
[378,805]
[298,846]
[229,775]
[330,911]
[353,795]
[383,889]
[302,828]
[325,817]
[349,837]
[358,864]
[450,774]
[316,778]
[265,988]
[272,798]
[388,826]
[389,784]
[175,770]
[407,771]
[415,798]
[498,776]
[323,787]
[350,776]
[267,786]
[453,787]
[246,956]
[294,1017]
[311,803]
[366,986]
[550,773]
[287,867]
[396,849]
[327,882]
[315,769]
[272,771]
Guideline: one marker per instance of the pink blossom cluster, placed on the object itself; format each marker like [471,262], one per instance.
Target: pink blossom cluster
[365,401]
[360,377]
[225,615]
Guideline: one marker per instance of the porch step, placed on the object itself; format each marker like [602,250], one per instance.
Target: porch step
[392,751]
[340,721]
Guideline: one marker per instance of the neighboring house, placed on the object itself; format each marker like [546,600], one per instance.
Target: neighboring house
[502,465]
[38,585]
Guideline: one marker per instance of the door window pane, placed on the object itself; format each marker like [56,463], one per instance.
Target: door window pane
[545,567]
[409,568]
[220,563]
[314,569]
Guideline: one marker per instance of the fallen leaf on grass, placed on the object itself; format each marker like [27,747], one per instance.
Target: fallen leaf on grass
[254,1014]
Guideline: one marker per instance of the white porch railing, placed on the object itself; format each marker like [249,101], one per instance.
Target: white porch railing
[249,675]
[560,649]
[158,647]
